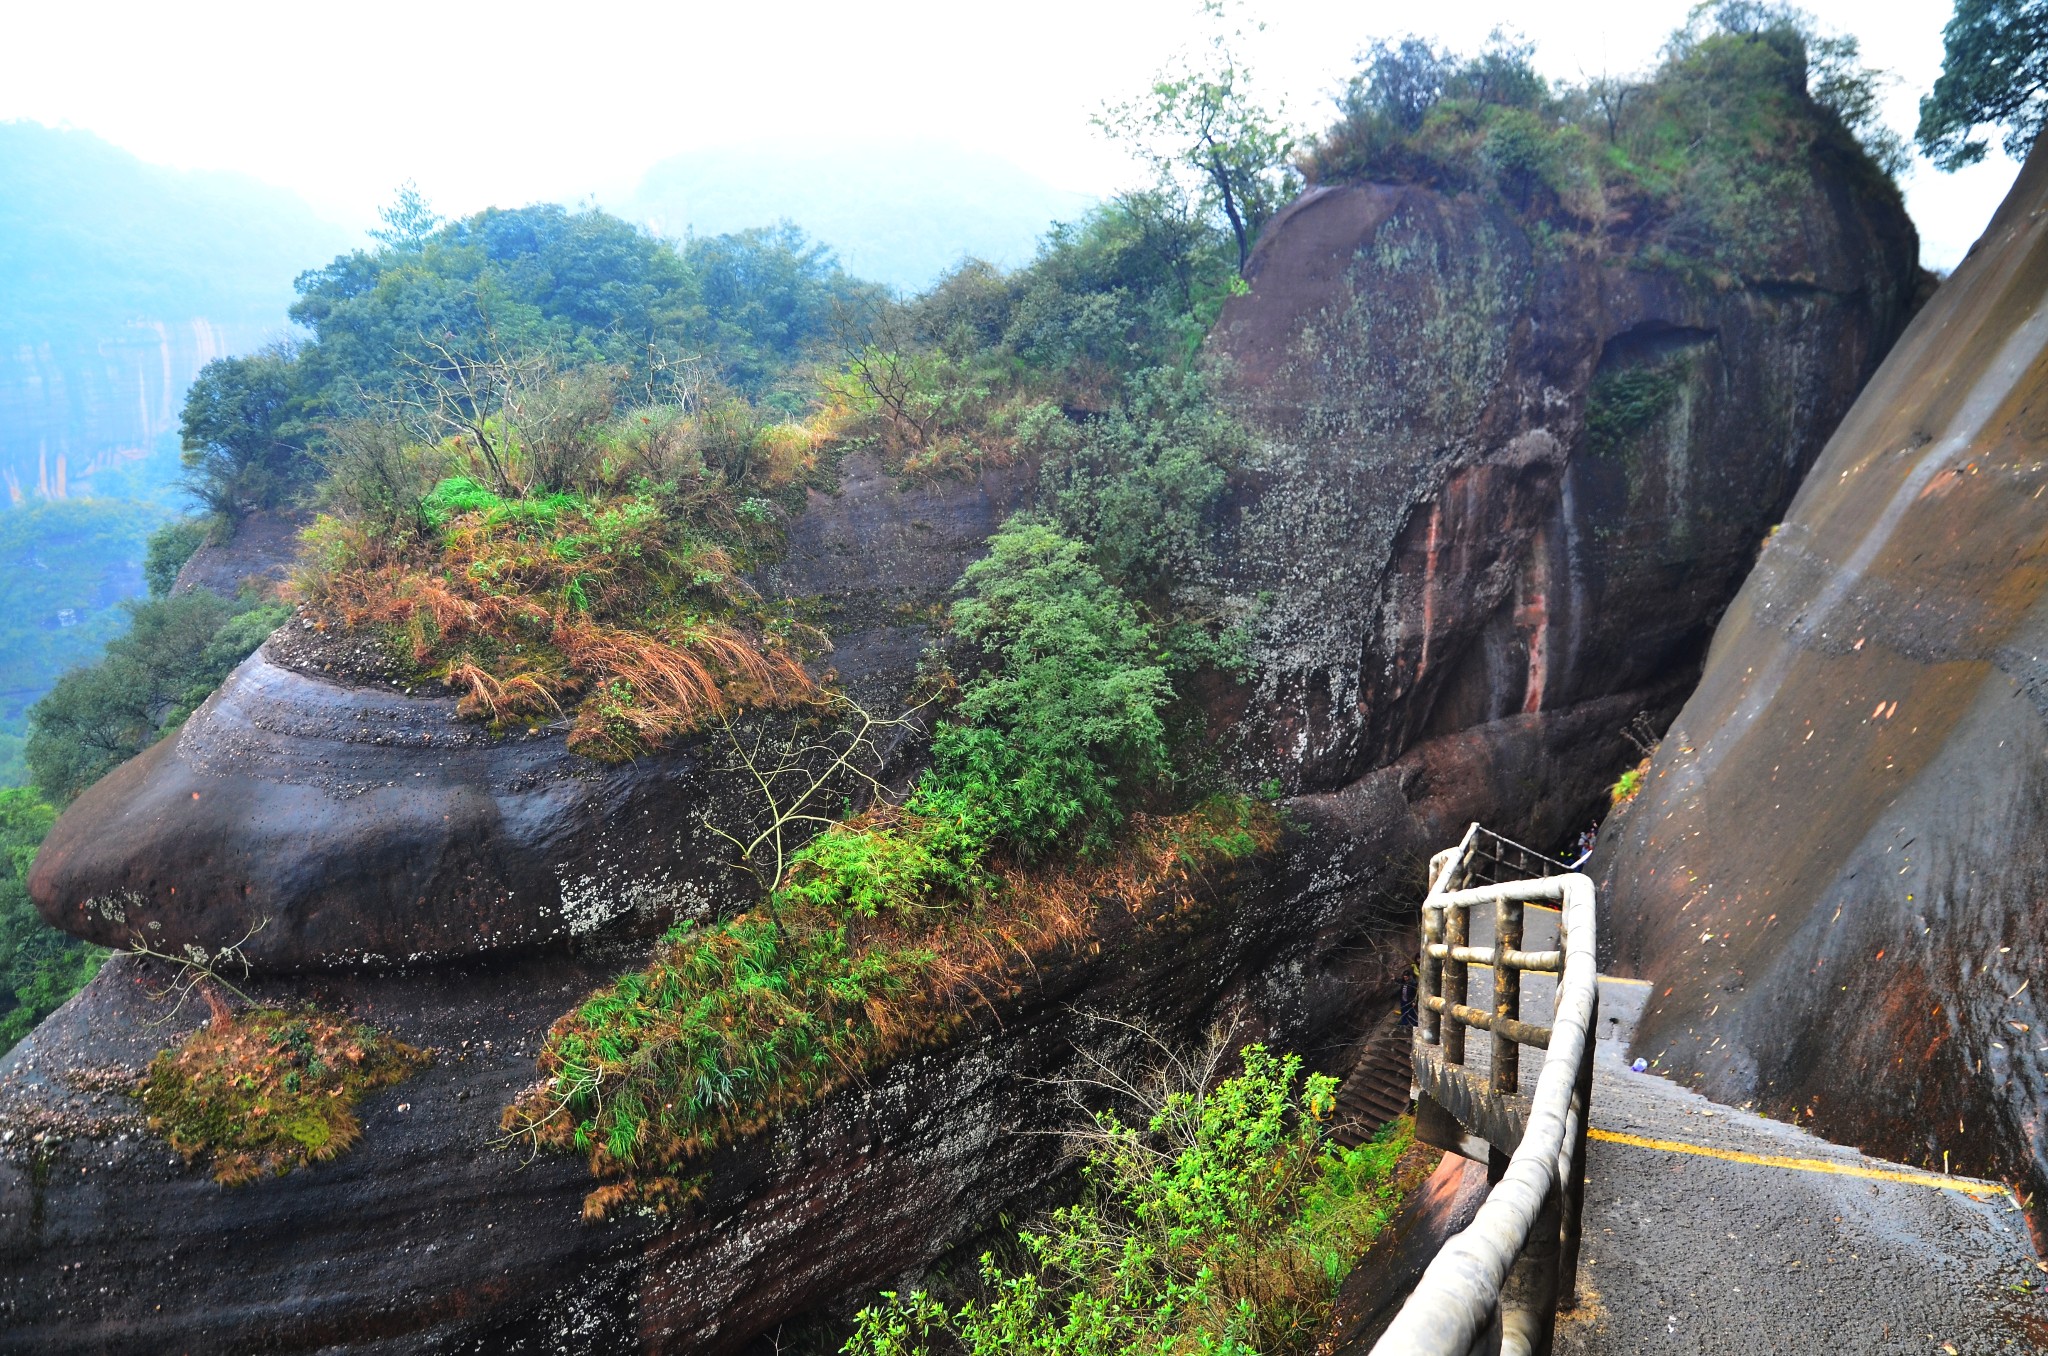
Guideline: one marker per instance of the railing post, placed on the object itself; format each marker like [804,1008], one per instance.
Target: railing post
[1506,1074]
[1528,1299]
[1507,994]
[1429,1022]
[1453,980]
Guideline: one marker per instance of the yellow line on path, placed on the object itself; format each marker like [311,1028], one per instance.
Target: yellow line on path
[1968,1186]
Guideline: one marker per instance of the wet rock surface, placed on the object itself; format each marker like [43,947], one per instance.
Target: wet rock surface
[1835,877]
[1428,536]
[324,825]
[427,1236]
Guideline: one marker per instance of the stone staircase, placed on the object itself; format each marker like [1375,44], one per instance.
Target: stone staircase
[1377,1089]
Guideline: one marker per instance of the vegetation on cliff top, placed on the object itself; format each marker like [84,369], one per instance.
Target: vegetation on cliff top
[1994,72]
[1221,1220]
[1708,160]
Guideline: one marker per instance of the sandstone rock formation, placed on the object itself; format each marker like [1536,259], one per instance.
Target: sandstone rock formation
[1430,536]
[334,821]
[1835,876]
[1458,606]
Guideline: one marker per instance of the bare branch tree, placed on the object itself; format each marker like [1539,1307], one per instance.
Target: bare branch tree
[193,967]
[793,781]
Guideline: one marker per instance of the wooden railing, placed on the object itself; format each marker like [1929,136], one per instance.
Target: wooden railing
[1498,1285]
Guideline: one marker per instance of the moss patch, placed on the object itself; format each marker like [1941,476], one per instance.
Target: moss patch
[270,1090]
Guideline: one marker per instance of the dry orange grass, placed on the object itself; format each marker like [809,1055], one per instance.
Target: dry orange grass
[610,615]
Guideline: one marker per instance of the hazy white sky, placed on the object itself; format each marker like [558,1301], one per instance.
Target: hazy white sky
[515,102]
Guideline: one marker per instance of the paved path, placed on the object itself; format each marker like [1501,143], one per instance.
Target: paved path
[1687,1253]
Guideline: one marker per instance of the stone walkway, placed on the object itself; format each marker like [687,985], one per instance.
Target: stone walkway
[1690,1253]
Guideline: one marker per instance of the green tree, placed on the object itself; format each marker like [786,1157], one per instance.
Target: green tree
[768,297]
[1398,81]
[1066,720]
[243,440]
[1994,72]
[40,967]
[1200,129]
[170,546]
[408,221]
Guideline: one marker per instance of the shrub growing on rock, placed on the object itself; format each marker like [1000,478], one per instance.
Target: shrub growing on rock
[1223,1221]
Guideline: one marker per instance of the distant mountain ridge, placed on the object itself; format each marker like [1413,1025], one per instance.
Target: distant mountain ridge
[899,213]
[118,281]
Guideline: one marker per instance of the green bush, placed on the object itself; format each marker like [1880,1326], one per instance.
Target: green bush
[1066,715]
[170,546]
[1141,483]
[1224,1223]
[1625,402]
[40,967]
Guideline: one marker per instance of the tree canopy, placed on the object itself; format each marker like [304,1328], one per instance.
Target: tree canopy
[1208,141]
[1994,73]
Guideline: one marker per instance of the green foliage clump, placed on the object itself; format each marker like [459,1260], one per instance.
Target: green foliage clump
[170,546]
[40,967]
[174,654]
[1068,711]
[243,430]
[1051,737]
[1141,483]
[265,1091]
[1628,785]
[1710,156]
[1223,1223]
[728,1026]
[1624,402]
[1994,72]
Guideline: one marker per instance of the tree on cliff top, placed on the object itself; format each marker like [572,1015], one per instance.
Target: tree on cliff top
[1200,131]
[1994,72]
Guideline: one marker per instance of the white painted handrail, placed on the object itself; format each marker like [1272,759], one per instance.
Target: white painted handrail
[1455,1303]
